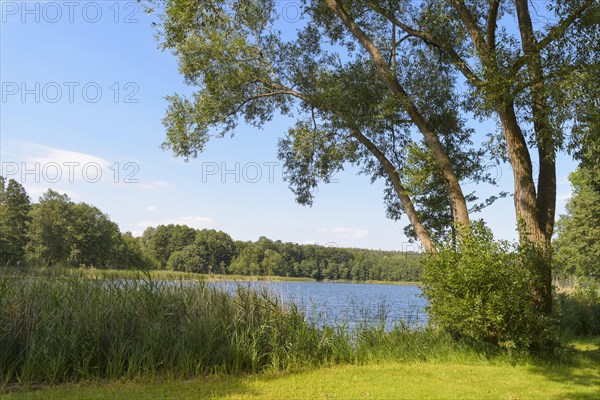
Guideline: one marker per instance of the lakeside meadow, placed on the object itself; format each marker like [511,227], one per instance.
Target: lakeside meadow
[85,331]
[419,217]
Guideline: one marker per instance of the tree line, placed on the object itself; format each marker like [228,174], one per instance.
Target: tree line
[181,248]
[56,231]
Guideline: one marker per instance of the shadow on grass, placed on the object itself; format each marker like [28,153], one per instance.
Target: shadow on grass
[584,371]
[210,387]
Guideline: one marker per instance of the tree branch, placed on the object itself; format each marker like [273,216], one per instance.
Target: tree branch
[471,25]
[554,33]
[456,196]
[492,23]
[431,40]
[401,191]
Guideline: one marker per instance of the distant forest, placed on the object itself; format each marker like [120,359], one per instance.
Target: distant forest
[58,232]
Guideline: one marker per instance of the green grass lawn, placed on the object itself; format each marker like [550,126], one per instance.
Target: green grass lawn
[389,380]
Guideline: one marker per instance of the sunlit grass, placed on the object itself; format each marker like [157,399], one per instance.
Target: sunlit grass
[482,379]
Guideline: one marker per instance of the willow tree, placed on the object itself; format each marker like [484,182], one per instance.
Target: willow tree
[388,86]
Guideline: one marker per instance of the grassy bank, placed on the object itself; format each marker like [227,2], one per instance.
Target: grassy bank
[150,337]
[452,378]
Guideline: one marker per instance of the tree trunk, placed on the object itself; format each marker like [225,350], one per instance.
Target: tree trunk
[526,208]
[401,191]
[546,193]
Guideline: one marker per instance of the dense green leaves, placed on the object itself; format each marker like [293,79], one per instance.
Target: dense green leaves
[51,229]
[482,291]
[93,236]
[63,232]
[577,245]
[14,221]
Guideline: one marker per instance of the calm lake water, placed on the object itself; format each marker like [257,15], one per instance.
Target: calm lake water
[350,303]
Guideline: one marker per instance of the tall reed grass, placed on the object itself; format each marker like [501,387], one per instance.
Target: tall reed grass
[55,330]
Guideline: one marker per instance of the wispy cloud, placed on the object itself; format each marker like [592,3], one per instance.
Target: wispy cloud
[38,153]
[151,208]
[34,163]
[564,196]
[345,233]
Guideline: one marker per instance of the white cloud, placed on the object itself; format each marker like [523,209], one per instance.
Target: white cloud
[346,233]
[37,163]
[46,154]
[151,208]
[564,196]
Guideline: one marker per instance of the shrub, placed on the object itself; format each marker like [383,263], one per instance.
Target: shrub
[480,290]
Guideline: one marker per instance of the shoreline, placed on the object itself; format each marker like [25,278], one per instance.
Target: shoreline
[92,273]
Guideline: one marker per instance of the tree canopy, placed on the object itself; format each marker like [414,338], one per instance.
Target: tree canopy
[391,86]
[14,221]
[55,231]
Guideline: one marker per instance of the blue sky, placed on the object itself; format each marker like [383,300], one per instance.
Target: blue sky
[83,90]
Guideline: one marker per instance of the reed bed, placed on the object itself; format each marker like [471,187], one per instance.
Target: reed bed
[64,329]
[57,330]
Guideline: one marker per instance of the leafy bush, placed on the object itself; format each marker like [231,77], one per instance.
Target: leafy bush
[481,290]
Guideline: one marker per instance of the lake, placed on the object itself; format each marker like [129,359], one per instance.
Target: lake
[351,303]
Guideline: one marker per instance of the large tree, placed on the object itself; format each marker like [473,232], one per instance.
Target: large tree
[51,228]
[93,237]
[577,244]
[14,220]
[62,232]
[387,86]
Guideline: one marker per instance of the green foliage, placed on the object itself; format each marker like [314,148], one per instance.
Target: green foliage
[218,248]
[128,253]
[482,290]
[56,231]
[49,232]
[14,222]
[93,237]
[62,232]
[190,259]
[161,242]
[266,257]
[577,245]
